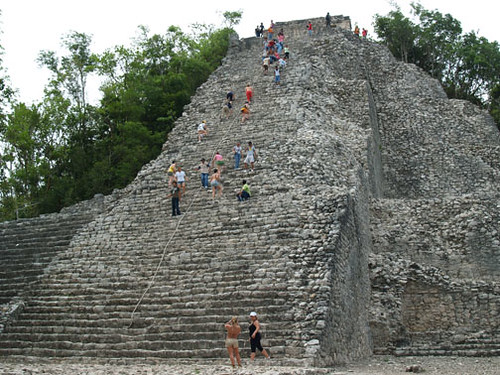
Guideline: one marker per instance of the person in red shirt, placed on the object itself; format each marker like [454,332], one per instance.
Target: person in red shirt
[249,92]
[310,28]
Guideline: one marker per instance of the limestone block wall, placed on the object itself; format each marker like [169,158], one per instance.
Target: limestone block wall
[437,215]
[460,236]
[419,310]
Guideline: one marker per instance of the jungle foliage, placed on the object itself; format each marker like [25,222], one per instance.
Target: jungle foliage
[63,149]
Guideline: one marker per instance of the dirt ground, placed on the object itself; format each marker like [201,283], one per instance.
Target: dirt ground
[377,365]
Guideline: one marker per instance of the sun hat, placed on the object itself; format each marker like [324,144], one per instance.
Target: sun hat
[253,313]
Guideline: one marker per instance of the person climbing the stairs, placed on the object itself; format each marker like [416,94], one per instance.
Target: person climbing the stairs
[245,112]
[233,330]
[216,183]
[202,130]
[203,168]
[237,155]
[249,92]
[255,337]
[181,178]
[218,162]
[244,194]
[171,173]
[251,156]
[265,64]
[175,194]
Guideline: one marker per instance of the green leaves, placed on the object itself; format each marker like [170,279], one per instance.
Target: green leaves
[63,150]
[467,66]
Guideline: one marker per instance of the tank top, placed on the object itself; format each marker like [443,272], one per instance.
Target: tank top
[252,329]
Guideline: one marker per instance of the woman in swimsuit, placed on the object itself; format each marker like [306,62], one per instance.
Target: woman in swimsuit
[233,330]
[216,183]
[255,337]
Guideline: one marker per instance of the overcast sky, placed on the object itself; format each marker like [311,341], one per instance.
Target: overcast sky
[29,26]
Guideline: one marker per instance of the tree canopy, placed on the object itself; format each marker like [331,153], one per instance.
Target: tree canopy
[63,150]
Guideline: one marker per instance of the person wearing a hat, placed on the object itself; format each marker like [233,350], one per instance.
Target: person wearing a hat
[255,344]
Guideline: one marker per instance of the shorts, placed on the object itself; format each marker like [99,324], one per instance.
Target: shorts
[181,182]
[170,173]
[219,162]
[232,343]
[214,183]
[276,78]
[249,159]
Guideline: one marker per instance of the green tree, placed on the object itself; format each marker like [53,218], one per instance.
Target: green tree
[63,150]
[495,104]
[466,65]
[398,33]
[475,69]
[437,39]
[27,139]
[232,18]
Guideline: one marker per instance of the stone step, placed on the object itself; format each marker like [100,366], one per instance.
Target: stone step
[180,309]
[206,353]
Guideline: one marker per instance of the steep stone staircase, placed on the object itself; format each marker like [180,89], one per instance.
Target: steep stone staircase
[274,254]
[29,245]
[362,162]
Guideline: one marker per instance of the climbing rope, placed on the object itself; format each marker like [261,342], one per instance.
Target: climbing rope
[223,138]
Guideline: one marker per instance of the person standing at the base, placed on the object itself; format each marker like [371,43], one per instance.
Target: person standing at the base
[255,337]
[233,331]
[175,194]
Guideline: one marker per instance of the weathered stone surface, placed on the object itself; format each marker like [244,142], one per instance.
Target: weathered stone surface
[368,180]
